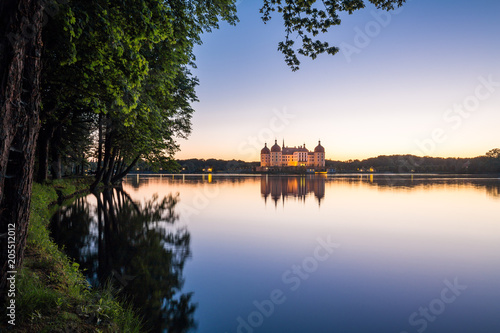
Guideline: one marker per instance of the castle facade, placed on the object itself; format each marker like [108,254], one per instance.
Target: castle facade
[292,156]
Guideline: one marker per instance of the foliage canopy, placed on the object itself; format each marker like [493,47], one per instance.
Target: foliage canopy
[306,19]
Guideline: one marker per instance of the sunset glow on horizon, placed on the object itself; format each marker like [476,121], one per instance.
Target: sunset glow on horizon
[424,80]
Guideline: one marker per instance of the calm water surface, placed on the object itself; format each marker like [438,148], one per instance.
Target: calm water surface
[296,254]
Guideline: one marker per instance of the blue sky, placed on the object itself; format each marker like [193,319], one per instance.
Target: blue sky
[423,80]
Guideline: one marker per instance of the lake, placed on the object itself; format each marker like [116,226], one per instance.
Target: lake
[315,253]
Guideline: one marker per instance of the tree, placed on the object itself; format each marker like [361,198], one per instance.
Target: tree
[112,67]
[306,19]
[20,67]
[493,160]
[67,120]
[132,73]
[493,153]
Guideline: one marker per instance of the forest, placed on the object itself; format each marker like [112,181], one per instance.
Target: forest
[489,163]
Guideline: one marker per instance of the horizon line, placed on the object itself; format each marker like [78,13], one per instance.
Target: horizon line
[350,159]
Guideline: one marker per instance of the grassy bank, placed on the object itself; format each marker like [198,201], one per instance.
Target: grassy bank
[52,293]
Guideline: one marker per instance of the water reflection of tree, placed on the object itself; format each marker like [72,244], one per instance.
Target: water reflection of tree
[71,227]
[138,180]
[493,190]
[137,248]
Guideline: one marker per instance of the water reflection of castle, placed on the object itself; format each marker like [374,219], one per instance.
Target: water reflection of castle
[281,187]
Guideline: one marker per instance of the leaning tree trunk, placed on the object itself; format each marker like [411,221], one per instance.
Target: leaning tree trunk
[20,67]
[118,177]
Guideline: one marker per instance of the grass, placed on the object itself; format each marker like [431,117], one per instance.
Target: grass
[52,293]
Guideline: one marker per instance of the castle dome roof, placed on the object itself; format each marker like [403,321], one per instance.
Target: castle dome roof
[275,148]
[265,150]
[319,148]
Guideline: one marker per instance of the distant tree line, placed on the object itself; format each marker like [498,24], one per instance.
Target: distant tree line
[489,163]
[200,165]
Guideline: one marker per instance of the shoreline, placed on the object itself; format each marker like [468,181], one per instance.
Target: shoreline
[52,292]
[330,175]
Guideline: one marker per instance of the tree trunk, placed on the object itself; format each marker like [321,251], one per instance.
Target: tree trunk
[43,147]
[20,69]
[99,145]
[55,153]
[118,169]
[109,170]
[43,157]
[119,176]
[107,154]
[56,164]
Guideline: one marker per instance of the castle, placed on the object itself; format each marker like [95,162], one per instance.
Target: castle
[292,156]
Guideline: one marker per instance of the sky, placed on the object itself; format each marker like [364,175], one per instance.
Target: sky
[424,80]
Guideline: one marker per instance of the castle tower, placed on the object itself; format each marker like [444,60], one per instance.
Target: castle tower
[319,155]
[265,156]
[275,154]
